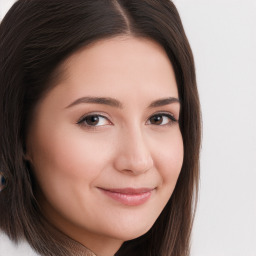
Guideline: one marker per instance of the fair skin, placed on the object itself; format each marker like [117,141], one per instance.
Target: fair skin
[104,179]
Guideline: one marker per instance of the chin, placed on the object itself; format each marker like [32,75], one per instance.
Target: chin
[131,232]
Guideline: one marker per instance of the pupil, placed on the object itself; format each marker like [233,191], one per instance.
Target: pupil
[157,119]
[92,120]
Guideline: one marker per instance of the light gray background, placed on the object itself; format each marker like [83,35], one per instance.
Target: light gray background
[223,37]
[222,34]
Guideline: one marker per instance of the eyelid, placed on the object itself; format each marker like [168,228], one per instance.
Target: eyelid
[162,112]
[82,119]
[82,123]
[166,114]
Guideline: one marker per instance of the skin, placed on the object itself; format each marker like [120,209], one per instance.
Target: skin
[124,148]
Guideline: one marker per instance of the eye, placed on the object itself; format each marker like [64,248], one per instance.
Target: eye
[93,120]
[161,119]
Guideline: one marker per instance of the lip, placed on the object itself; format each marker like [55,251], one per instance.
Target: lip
[128,196]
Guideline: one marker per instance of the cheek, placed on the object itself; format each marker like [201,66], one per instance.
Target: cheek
[64,160]
[66,165]
[169,159]
[66,153]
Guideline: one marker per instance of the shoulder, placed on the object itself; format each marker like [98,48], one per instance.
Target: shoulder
[8,247]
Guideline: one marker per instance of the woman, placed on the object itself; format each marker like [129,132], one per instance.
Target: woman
[100,128]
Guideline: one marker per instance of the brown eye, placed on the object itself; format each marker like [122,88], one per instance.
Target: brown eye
[161,119]
[93,120]
[157,120]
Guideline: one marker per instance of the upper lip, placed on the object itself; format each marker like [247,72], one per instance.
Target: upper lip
[128,191]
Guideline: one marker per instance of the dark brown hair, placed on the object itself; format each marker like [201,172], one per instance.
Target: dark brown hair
[36,36]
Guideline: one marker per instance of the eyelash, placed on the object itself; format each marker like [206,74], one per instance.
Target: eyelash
[172,119]
[82,121]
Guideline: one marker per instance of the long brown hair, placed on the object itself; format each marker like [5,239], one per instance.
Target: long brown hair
[36,36]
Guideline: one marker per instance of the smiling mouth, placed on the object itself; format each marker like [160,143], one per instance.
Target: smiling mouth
[128,196]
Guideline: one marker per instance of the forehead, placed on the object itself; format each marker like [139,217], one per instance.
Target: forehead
[121,67]
[120,60]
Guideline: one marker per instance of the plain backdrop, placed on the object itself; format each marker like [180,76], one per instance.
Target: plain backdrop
[222,34]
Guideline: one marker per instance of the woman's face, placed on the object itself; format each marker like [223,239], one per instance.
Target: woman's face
[105,143]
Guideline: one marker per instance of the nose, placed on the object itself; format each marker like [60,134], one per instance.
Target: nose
[133,154]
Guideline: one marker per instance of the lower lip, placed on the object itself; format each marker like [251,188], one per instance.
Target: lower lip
[128,199]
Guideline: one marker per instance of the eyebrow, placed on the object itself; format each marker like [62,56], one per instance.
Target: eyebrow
[164,102]
[115,103]
[97,100]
